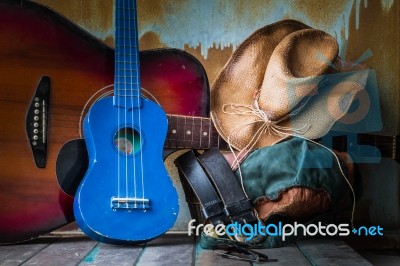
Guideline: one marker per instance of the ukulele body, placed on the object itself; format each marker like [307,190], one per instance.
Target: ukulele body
[126,195]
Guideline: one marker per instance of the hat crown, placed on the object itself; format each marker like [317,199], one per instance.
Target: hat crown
[295,70]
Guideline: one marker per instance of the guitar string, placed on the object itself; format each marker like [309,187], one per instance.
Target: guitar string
[372,138]
[170,123]
[146,94]
[50,116]
[212,142]
[386,143]
[86,109]
[386,151]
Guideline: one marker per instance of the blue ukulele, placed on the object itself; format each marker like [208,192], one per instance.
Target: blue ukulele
[126,196]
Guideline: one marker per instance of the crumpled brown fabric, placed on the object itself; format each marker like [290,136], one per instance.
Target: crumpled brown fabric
[297,203]
[300,203]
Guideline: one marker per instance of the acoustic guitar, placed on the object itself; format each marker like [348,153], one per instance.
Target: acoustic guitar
[51,73]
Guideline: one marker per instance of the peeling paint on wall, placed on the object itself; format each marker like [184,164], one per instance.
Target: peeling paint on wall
[220,23]
[387,4]
[215,23]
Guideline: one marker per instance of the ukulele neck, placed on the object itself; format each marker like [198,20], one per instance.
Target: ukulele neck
[127,88]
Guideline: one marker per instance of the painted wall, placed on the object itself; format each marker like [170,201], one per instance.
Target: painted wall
[212,29]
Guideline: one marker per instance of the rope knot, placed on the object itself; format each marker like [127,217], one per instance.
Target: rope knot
[270,127]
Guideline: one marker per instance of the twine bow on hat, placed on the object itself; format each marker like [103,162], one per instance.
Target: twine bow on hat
[268,126]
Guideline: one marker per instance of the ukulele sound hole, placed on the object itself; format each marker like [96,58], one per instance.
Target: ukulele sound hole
[127,140]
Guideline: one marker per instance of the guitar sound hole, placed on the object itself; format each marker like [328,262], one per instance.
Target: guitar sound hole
[127,140]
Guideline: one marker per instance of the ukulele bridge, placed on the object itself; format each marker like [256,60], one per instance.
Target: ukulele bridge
[130,203]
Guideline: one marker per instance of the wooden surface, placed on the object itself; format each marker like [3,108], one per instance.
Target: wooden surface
[170,249]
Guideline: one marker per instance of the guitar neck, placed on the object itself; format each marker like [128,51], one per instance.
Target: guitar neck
[388,146]
[192,132]
[188,132]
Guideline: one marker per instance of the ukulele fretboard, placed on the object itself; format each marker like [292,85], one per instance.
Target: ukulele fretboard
[127,88]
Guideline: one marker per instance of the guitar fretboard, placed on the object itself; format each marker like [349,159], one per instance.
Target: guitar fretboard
[199,133]
[388,146]
[192,132]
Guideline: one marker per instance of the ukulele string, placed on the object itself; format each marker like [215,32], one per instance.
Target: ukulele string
[137,64]
[131,90]
[136,28]
[119,105]
[126,89]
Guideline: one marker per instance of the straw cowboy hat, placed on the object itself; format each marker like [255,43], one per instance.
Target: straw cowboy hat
[280,82]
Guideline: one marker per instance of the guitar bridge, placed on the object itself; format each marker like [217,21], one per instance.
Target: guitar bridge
[36,122]
[130,203]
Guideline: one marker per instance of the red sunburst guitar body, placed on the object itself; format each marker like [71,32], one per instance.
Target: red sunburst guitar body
[50,71]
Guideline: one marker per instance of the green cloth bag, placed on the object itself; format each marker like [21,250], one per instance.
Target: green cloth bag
[292,163]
